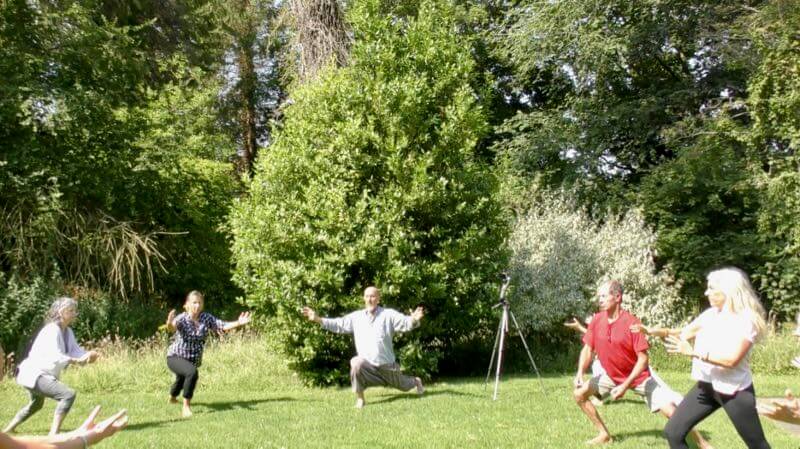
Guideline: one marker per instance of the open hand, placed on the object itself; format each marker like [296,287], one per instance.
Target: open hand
[418,313]
[96,432]
[244,318]
[311,314]
[574,325]
[676,345]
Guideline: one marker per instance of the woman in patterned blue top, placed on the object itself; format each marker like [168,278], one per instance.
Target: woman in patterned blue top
[185,354]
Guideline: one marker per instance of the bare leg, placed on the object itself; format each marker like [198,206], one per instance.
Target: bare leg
[420,387]
[582,395]
[694,434]
[187,409]
[58,418]
[360,399]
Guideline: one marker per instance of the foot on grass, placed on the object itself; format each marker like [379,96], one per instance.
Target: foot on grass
[603,438]
[360,403]
[172,400]
[420,387]
[187,412]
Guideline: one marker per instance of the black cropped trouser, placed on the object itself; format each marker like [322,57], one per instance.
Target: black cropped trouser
[186,376]
[701,401]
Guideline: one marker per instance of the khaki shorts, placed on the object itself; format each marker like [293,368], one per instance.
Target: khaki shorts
[656,395]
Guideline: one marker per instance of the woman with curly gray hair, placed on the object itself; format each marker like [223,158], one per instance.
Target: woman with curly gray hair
[53,349]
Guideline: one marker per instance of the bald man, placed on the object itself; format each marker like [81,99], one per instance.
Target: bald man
[373,329]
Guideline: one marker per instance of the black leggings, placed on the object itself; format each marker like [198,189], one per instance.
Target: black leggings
[186,376]
[702,400]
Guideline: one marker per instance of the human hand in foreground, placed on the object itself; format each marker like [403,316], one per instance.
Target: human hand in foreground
[787,410]
[93,433]
[676,345]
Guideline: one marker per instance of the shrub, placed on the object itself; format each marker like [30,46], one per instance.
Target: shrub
[374,180]
[560,255]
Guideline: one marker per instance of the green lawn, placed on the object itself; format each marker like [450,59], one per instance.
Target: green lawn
[246,399]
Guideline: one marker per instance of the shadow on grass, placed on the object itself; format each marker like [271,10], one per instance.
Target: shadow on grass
[149,424]
[237,405]
[409,396]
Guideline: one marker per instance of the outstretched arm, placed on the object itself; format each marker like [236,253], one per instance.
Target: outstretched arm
[88,434]
[661,332]
[343,325]
[244,319]
[576,325]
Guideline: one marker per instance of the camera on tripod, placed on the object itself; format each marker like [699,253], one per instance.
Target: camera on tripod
[502,330]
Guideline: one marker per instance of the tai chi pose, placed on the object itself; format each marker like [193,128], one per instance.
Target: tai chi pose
[185,354]
[372,329]
[723,337]
[53,349]
[623,356]
[88,434]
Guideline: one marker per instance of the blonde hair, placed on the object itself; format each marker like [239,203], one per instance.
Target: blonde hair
[193,293]
[740,297]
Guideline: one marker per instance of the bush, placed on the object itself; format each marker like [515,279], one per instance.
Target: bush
[560,255]
[374,180]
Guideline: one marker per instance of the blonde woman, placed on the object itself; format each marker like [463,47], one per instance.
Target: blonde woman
[185,354]
[53,349]
[723,336]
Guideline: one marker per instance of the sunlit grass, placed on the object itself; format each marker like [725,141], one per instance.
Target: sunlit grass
[248,399]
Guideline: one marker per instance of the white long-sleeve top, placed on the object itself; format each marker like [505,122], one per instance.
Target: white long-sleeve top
[50,353]
[372,333]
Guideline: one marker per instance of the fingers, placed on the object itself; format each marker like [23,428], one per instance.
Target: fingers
[89,422]
[117,421]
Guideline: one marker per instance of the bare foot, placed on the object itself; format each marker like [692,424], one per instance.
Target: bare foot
[172,400]
[420,387]
[187,412]
[603,438]
[360,403]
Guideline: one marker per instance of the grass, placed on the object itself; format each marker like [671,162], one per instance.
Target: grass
[246,398]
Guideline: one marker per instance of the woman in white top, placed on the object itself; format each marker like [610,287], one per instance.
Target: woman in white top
[53,349]
[723,336]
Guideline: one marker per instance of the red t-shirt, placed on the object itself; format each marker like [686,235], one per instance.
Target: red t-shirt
[616,346]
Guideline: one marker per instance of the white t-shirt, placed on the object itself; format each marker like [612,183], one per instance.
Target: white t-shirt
[723,330]
[50,354]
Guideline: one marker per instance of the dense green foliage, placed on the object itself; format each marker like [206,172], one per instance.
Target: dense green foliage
[687,110]
[373,179]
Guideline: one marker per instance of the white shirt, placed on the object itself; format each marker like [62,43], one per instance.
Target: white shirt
[723,329]
[50,353]
[372,333]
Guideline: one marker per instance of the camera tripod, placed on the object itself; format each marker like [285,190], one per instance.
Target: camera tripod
[499,340]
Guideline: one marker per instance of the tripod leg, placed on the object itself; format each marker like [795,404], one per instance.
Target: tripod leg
[494,352]
[525,344]
[503,330]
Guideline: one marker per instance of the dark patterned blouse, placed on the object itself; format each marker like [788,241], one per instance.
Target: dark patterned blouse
[190,336]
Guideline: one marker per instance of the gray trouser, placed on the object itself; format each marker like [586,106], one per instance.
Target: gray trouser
[50,387]
[364,374]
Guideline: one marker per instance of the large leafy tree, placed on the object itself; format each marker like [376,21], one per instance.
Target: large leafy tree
[373,179]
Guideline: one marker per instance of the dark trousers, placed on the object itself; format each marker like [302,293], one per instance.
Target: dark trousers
[701,401]
[364,374]
[186,376]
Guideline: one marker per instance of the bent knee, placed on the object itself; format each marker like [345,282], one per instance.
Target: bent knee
[357,363]
[673,434]
[581,394]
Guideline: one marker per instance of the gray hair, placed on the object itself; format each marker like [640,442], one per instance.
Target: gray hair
[58,306]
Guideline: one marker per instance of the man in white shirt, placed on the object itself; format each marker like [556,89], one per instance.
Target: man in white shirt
[373,329]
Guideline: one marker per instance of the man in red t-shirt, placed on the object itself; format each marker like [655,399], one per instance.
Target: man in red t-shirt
[623,355]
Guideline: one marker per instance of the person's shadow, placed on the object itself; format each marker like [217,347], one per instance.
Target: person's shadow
[409,396]
[210,407]
[236,405]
